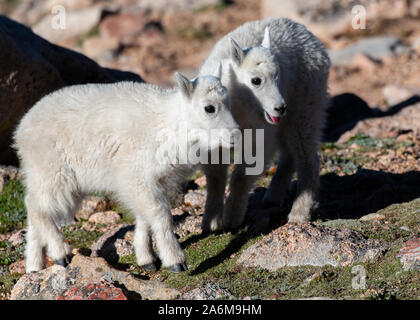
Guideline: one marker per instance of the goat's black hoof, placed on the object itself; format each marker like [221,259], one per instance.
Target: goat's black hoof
[179,267]
[149,267]
[64,262]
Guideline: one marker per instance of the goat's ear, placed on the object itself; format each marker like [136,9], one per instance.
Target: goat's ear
[184,84]
[237,52]
[219,71]
[266,43]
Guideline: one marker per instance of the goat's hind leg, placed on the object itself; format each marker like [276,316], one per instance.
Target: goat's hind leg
[237,201]
[43,232]
[216,175]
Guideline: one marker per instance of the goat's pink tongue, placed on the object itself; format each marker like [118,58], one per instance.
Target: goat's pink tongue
[275,119]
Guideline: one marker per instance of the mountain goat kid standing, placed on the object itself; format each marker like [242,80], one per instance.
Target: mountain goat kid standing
[105,137]
[270,67]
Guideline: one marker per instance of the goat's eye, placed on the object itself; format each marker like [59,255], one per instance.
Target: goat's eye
[256,81]
[210,109]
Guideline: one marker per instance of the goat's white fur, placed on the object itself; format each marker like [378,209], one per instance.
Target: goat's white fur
[103,137]
[294,67]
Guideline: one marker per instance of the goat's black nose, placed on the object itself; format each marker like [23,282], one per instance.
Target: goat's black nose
[281,109]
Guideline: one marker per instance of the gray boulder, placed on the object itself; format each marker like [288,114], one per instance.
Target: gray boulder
[375,48]
[311,244]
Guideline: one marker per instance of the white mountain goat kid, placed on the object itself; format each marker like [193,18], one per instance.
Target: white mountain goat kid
[104,137]
[270,67]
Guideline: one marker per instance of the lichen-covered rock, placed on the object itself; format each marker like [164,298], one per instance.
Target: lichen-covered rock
[54,281]
[106,217]
[211,291]
[410,255]
[102,221]
[44,285]
[184,225]
[18,237]
[30,68]
[196,198]
[407,120]
[201,182]
[92,204]
[94,291]
[311,244]
[372,217]
[17,267]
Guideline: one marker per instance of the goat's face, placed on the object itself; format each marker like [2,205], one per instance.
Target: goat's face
[208,109]
[257,71]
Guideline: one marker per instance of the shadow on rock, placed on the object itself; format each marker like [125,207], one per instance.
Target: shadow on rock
[109,247]
[347,109]
[340,197]
[366,191]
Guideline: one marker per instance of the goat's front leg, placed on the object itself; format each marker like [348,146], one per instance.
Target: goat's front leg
[303,143]
[279,184]
[308,180]
[152,207]
[170,251]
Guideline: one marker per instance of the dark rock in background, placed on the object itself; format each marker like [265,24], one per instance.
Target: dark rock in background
[30,68]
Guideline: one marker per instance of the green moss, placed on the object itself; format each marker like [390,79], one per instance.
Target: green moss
[7,282]
[341,162]
[404,215]
[79,237]
[130,260]
[10,254]
[368,143]
[126,216]
[12,207]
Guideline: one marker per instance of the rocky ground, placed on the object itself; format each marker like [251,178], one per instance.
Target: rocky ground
[368,211]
